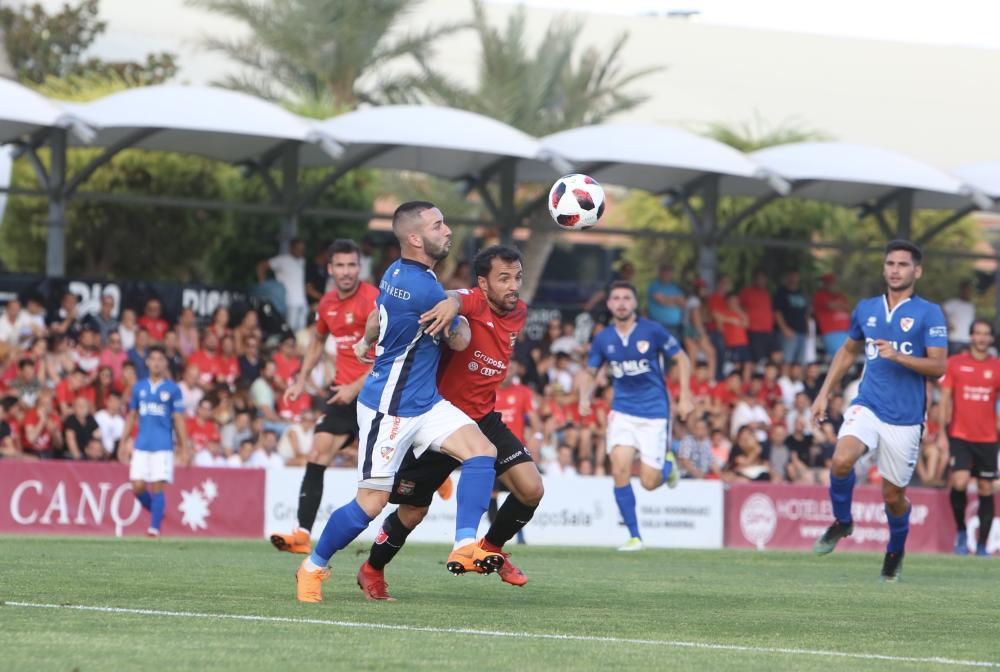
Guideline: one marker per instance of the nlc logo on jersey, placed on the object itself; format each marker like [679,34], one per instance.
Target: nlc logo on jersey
[871,350]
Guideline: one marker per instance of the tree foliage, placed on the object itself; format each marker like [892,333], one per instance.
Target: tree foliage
[316,48]
[40,45]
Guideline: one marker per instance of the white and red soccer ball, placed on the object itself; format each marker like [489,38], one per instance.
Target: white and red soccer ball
[576,202]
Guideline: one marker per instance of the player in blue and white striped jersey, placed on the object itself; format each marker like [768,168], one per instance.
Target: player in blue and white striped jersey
[400,409]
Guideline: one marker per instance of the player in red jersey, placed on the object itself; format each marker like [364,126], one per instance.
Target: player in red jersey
[469,379]
[342,314]
[968,410]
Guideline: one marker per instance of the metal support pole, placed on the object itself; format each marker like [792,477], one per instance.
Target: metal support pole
[55,247]
[289,196]
[904,213]
[708,261]
[508,209]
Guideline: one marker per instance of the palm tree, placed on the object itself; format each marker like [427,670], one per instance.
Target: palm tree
[318,49]
[550,87]
[757,134]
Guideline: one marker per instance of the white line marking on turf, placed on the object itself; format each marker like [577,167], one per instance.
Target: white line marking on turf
[519,635]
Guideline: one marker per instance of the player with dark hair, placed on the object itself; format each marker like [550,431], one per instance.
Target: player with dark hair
[158,406]
[905,341]
[341,313]
[969,430]
[400,409]
[639,423]
[469,379]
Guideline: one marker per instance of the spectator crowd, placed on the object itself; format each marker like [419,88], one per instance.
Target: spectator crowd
[758,358]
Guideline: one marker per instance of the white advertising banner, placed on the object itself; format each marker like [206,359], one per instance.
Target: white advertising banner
[577,511]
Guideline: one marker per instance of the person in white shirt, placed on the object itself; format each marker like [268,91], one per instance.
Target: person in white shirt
[16,325]
[791,384]
[290,270]
[563,465]
[111,422]
[296,442]
[961,313]
[749,411]
[265,455]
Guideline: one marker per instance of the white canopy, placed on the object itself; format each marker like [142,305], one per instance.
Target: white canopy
[982,176]
[441,141]
[851,175]
[654,158]
[216,123]
[24,112]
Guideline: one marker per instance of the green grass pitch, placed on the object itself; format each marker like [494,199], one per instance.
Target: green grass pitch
[656,610]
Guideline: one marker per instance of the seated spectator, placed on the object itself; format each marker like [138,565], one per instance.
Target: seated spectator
[778,454]
[249,327]
[219,324]
[87,354]
[286,363]
[770,392]
[82,434]
[563,464]
[16,327]
[800,453]
[249,361]
[129,378]
[234,433]
[746,461]
[191,391]
[35,308]
[812,381]
[791,383]
[175,360]
[26,386]
[750,412]
[104,321]
[137,355]
[188,338]
[114,356]
[694,455]
[263,394]
[68,321]
[152,320]
[265,454]
[229,365]
[567,342]
[296,443]
[801,409]
[207,361]
[70,388]
[111,422]
[201,429]
[721,448]
[41,432]
[10,445]
[58,360]
[128,328]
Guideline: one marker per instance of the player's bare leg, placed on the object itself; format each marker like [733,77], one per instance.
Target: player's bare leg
[848,451]
[324,447]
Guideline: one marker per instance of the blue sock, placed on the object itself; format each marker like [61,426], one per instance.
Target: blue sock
[158,508]
[668,466]
[899,527]
[344,526]
[841,491]
[625,497]
[473,497]
[145,499]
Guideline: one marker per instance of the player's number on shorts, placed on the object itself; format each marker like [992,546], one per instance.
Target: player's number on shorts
[383,326]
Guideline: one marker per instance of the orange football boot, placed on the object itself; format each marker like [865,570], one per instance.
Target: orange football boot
[474,558]
[309,585]
[296,542]
[508,572]
[373,585]
[446,489]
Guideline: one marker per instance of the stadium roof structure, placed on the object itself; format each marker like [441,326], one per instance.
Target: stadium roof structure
[872,179]
[675,163]
[444,142]
[25,114]
[982,176]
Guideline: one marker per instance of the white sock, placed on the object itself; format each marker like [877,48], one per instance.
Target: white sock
[310,565]
[463,542]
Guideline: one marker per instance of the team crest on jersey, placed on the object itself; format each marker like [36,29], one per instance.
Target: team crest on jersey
[395,273]
[473,366]
[906,323]
[350,318]
[387,451]
[642,347]
[164,396]
[406,487]
[987,374]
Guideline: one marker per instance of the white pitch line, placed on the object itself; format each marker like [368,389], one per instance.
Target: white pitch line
[710,646]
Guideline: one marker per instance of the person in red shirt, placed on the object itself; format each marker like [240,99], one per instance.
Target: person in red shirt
[717,303]
[340,315]
[202,429]
[287,362]
[734,322]
[756,301]
[229,363]
[72,386]
[968,410]
[207,361]
[469,379]
[833,314]
[516,405]
[41,430]
[152,320]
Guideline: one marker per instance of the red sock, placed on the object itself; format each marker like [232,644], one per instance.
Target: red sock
[487,546]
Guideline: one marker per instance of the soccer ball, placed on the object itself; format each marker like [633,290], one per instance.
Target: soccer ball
[576,202]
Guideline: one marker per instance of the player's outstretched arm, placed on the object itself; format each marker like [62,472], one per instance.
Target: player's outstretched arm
[441,316]
[840,365]
[933,365]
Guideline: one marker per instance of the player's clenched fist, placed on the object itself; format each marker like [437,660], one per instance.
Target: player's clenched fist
[361,351]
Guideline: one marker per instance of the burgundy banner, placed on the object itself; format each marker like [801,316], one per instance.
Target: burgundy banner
[794,516]
[82,498]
